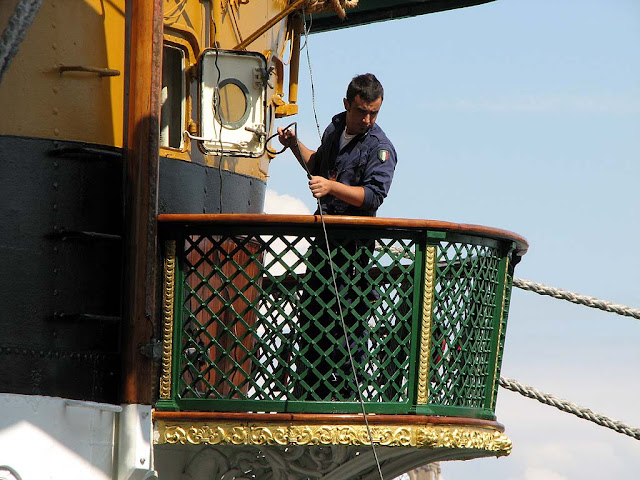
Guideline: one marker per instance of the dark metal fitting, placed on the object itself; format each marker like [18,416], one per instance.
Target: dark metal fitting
[152,350]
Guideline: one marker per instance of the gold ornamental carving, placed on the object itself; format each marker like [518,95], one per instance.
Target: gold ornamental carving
[416,436]
[167,314]
[425,340]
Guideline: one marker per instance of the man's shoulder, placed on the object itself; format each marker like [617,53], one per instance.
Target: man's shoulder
[336,125]
[378,137]
[339,118]
[338,121]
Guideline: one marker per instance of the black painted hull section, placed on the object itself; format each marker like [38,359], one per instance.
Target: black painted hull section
[187,187]
[60,251]
[61,257]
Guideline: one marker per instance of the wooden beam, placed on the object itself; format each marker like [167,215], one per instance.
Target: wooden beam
[141,196]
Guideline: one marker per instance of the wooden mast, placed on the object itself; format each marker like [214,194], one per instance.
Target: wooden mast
[141,199]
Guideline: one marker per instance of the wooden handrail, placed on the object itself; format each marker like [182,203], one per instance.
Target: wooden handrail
[324,418]
[347,221]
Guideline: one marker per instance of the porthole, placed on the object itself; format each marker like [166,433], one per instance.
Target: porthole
[232,103]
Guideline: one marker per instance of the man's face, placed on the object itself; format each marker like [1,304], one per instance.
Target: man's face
[361,115]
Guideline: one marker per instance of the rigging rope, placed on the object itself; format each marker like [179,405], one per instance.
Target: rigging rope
[13,35]
[306,48]
[576,298]
[541,289]
[19,23]
[569,407]
[339,304]
[572,297]
[338,6]
[333,275]
[546,398]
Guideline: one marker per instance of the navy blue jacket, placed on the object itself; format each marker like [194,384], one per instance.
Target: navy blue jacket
[368,161]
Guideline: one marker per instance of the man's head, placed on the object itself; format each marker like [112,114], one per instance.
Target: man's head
[366,86]
[363,102]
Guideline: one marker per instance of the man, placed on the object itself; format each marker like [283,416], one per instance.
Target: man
[352,170]
[350,174]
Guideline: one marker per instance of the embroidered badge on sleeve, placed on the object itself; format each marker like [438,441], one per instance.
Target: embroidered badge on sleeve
[383,155]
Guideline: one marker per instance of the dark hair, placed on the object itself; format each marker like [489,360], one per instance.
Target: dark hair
[367,86]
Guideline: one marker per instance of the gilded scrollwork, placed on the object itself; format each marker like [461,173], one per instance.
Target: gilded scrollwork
[419,436]
[167,311]
[425,340]
[298,436]
[173,434]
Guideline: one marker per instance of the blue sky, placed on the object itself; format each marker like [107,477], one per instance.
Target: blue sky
[523,115]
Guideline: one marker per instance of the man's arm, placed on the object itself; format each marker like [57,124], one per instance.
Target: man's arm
[375,182]
[353,195]
[320,186]
[378,175]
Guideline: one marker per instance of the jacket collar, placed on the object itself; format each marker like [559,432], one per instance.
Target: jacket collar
[339,122]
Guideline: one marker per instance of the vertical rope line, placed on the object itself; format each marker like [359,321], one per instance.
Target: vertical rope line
[328,246]
[313,93]
[216,106]
[346,338]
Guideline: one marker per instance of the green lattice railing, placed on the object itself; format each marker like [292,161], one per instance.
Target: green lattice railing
[252,319]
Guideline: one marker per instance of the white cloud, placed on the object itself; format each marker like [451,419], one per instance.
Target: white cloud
[552,453]
[284,204]
[539,474]
[545,438]
[276,203]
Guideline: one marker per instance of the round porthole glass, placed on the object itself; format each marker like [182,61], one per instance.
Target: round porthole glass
[231,103]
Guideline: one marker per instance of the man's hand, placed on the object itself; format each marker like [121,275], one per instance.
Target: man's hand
[287,137]
[320,186]
[305,156]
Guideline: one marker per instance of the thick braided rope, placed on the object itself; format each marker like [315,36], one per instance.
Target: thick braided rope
[545,398]
[572,297]
[576,298]
[569,407]
[14,33]
[339,6]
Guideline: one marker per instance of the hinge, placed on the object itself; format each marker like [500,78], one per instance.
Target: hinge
[152,350]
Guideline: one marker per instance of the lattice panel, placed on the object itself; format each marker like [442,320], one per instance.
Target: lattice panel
[462,325]
[503,330]
[261,321]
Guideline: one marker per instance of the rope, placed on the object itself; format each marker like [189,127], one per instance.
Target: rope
[328,247]
[306,48]
[216,108]
[569,407]
[19,23]
[344,325]
[572,297]
[546,398]
[339,6]
[576,298]
[348,342]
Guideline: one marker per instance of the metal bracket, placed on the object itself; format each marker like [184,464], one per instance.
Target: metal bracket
[152,350]
[102,72]
[75,151]
[65,235]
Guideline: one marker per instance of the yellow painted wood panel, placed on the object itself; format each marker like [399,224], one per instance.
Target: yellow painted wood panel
[79,106]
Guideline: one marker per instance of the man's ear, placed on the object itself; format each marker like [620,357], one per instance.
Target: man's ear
[346,104]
